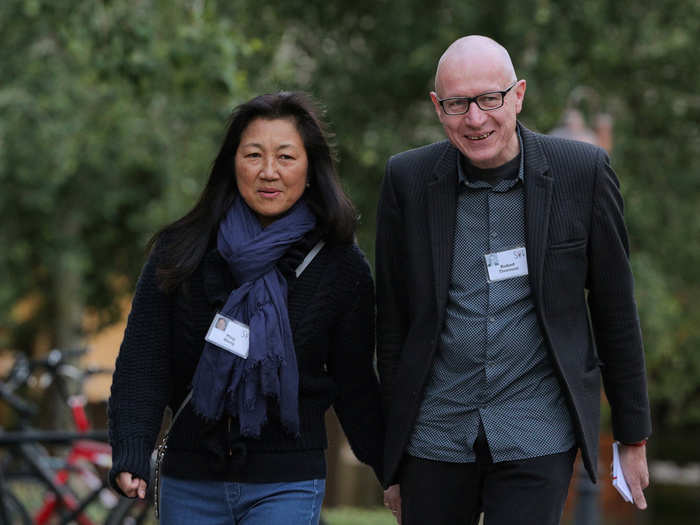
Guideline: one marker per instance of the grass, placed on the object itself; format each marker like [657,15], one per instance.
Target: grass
[356,516]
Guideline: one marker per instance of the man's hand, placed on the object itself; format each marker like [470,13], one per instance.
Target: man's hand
[392,500]
[131,485]
[633,460]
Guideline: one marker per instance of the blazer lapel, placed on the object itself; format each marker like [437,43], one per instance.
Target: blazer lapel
[538,200]
[442,208]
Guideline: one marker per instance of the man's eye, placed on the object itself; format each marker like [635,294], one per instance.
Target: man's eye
[457,104]
[489,100]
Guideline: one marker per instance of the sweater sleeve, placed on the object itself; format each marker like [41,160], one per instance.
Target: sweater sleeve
[358,404]
[142,380]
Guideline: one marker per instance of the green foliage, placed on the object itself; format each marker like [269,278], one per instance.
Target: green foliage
[111,112]
[372,64]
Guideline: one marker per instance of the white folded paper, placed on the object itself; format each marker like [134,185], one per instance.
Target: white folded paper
[618,478]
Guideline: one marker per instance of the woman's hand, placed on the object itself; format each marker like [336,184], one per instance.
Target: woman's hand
[131,485]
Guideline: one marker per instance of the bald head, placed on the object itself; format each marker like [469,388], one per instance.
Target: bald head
[474,72]
[475,56]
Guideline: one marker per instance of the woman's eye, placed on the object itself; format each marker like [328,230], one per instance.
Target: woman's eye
[252,155]
[286,157]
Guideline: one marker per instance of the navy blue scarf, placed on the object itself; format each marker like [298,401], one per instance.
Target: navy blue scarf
[224,382]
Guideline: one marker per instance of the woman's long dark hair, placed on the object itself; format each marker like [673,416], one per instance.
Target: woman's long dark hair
[182,244]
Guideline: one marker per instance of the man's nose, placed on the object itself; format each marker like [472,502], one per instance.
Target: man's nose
[475,116]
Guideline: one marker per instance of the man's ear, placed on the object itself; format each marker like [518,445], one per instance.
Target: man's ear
[436,104]
[520,94]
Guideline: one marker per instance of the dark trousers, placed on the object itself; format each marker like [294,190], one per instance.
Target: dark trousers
[529,491]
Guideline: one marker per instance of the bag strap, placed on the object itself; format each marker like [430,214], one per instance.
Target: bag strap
[299,270]
[182,406]
[179,411]
[309,257]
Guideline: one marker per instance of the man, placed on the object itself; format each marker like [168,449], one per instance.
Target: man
[492,249]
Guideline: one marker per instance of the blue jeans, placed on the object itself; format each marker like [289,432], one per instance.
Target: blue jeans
[192,502]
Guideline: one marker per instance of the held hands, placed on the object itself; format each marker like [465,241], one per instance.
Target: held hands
[131,485]
[633,460]
[392,500]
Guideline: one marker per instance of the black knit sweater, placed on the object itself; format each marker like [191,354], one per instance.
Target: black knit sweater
[331,312]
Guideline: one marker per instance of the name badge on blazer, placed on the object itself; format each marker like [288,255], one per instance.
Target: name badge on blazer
[506,264]
[230,335]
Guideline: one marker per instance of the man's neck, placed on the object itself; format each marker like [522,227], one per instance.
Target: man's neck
[492,176]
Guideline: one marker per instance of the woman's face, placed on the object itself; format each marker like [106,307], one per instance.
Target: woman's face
[271,167]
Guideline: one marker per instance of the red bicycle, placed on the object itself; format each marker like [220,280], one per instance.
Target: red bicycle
[45,488]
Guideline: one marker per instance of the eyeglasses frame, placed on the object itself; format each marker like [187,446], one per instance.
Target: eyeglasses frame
[503,94]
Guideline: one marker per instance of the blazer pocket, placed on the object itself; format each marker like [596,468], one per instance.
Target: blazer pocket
[568,245]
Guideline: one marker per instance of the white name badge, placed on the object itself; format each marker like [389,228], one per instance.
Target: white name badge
[230,335]
[506,264]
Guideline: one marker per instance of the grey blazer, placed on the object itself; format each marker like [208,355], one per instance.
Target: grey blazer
[580,276]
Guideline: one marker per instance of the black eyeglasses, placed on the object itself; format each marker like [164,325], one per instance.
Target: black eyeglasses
[485,102]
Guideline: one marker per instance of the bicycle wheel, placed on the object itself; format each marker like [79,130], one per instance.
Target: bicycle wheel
[132,512]
[14,511]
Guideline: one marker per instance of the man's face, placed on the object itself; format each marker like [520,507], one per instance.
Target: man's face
[487,138]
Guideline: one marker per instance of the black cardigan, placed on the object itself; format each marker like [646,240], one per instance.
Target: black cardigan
[331,312]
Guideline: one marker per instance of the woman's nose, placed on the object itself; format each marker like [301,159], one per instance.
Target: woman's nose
[269,169]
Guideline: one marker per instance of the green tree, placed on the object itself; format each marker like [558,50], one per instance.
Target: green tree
[109,115]
[372,64]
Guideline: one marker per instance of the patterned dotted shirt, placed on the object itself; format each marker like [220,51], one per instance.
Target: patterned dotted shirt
[492,362]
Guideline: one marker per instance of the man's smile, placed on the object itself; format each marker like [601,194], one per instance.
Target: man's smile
[480,137]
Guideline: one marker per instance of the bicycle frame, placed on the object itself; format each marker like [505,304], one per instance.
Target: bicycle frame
[59,494]
[4,518]
[87,447]
[95,453]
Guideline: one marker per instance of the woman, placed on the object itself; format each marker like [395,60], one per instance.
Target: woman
[248,448]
